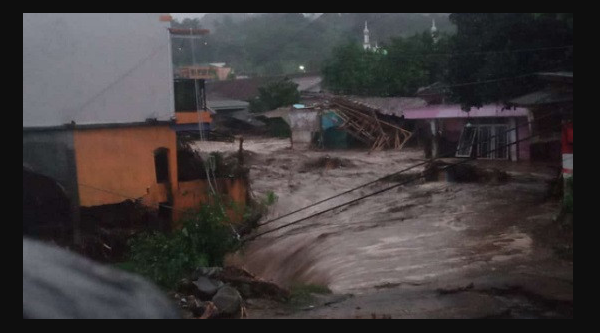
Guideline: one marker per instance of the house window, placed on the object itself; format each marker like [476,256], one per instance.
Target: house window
[466,142]
[161,165]
[189,95]
[490,141]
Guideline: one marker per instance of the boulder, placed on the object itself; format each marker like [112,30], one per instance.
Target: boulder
[228,301]
[206,287]
[206,272]
[186,286]
[250,286]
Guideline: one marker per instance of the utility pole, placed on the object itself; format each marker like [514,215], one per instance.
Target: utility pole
[196,87]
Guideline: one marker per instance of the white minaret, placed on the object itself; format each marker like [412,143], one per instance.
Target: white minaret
[366,43]
[434,33]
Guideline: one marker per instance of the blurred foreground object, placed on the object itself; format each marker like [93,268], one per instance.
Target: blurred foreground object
[61,284]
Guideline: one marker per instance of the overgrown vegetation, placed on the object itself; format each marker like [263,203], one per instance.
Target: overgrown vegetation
[275,94]
[278,43]
[191,166]
[398,68]
[302,294]
[498,53]
[270,198]
[204,239]
[491,46]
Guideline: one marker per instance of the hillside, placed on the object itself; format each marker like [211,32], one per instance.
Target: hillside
[277,43]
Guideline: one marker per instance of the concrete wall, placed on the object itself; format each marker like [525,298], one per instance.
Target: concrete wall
[114,164]
[192,194]
[51,153]
[524,146]
[95,68]
[303,123]
[304,120]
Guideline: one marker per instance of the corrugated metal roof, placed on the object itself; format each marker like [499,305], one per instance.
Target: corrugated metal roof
[308,83]
[543,97]
[393,106]
[227,104]
[455,111]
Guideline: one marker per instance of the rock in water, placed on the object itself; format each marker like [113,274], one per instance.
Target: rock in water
[228,301]
[207,288]
[206,272]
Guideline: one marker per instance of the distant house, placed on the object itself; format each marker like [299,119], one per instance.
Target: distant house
[100,113]
[245,89]
[550,107]
[330,121]
[539,114]
[482,132]
[213,71]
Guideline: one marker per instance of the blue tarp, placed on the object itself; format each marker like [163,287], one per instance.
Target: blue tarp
[329,120]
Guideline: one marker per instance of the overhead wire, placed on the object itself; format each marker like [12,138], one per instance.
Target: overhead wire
[375,193]
[447,154]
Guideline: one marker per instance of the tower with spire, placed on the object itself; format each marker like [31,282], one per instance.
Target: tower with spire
[434,32]
[366,43]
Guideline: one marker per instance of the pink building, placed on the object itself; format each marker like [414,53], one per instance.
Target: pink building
[483,132]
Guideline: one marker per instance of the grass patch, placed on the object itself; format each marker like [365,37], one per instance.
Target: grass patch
[303,294]
[270,198]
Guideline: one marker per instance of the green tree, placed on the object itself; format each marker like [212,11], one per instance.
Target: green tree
[397,69]
[203,240]
[275,94]
[490,46]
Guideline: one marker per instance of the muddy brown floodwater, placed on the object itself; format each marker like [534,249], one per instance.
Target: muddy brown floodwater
[422,250]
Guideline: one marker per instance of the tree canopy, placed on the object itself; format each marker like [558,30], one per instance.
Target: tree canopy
[278,43]
[506,49]
[275,94]
[398,68]
[492,57]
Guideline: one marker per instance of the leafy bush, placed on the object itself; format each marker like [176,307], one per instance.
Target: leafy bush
[203,240]
[271,198]
[302,294]
[275,94]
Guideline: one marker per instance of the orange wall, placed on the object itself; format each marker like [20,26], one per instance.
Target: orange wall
[192,117]
[121,160]
[191,194]
[186,117]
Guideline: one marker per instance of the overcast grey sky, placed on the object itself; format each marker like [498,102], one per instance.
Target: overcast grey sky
[181,16]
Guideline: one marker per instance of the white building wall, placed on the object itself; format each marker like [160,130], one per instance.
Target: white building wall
[95,68]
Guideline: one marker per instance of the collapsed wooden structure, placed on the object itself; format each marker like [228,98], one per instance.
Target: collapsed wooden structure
[362,122]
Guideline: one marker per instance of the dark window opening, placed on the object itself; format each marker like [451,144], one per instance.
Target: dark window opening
[161,165]
[189,95]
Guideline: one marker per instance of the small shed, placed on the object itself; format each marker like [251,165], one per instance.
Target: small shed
[305,124]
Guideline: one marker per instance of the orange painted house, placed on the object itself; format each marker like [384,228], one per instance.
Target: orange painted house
[109,135]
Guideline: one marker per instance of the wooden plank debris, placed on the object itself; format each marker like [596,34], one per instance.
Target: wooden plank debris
[362,122]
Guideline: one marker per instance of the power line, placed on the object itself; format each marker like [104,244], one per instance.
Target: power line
[326,199]
[478,82]
[489,52]
[447,154]
[372,194]
[129,197]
